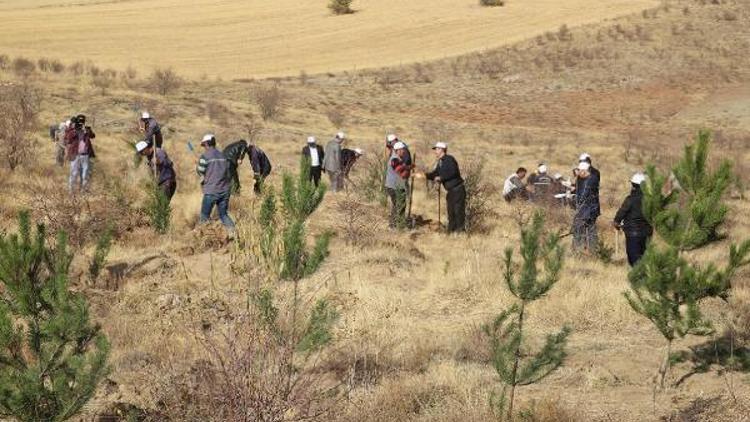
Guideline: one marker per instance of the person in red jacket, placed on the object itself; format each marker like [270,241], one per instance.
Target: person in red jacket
[79,151]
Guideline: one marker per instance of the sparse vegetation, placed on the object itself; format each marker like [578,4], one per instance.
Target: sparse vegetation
[492,3]
[19,110]
[270,101]
[23,67]
[101,252]
[340,7]
[158,208]
[165,81]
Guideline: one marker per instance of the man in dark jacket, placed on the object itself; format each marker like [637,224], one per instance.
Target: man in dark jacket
[348,158]
[79,151]
[447,172]
[596,180]
[161,166]
[216,184]
[260,164]
[151,128]
[585,237]
[630,219]
[235,153]
[315,154]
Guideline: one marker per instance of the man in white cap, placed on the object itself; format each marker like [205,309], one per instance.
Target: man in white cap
[585,237]
[596,177]
[152,130]
[541,184]
[633,223]
[397,184]
[216,185]
[164,174]
[448,173]
[314,154]
[348,158]
[332,162]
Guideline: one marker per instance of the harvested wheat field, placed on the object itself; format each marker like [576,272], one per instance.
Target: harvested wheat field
[259,38]
[389,326]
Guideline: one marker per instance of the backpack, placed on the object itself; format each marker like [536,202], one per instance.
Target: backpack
[265,163]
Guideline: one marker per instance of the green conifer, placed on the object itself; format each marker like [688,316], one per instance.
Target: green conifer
[51,356]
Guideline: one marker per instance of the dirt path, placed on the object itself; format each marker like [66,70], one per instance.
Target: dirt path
[240,38]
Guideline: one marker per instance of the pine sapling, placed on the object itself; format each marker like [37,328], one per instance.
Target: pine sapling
[158,208]
[103,245]
[52,357]
[527,283]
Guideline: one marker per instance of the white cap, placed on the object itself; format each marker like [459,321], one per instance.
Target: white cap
[638,178]
[584,166]
[341,135]
[310,139]
[440,145]
[399,145]
[145,115]
[391,137]
[207,138]
[585,156]
[140,146]
[542,168]
[557,176]
[359,151]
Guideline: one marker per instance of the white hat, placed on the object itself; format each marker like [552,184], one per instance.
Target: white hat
[584,166]
[341,135]
[359,151]
[140,146]
[207,138]
[399,145]
[585,156]
[638,178]
[542,168]
[440,145]
[391,137]
[145,115]
[310,139]
[557,176]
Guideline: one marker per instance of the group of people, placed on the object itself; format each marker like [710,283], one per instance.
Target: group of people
[220,179]
[582,193]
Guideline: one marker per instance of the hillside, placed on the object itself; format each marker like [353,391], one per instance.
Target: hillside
[407,345]
[259,38]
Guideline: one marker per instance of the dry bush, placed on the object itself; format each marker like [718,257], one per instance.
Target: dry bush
[564,33]
[23,67]
[492,3]
[389,77]
[340,7]
[355,219]
[270,101]
[479,192]
[217,112]
[549,410]
[421,74]
[19,110]
[336,116]
[103,81]
[77,68]
[165,81]
[4,62]
[44,65]
[490,65]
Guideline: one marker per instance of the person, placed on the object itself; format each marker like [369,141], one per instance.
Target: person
[397,184]
[348,158]
[260,164]
[448,173]
[235,153]
[216,184]
[152,130]
[514,186]
[332,162]
[80,151]
[595,175]
[585,237]
[633,223]
[57,134]
[392,140]
[541,183]
[315,154]
[162,170]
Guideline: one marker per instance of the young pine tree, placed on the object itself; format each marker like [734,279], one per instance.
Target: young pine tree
[51,356]
[283,238]
[158,208]
[665,286]
[528,283]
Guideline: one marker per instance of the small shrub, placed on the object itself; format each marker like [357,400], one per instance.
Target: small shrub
[165,81]
[564,34]
[158,208]
[77,68]
[478,193]
[270,101]
[19,110]
[604,252]
[4,62]
[23,67]
[103,245]
[492,3]
[340,7]
[44,65]
[336,116]
[57,66]
[103,81]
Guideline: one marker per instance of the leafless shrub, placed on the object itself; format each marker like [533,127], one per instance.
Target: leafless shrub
[340,7]
[389,77]
[421,74]
[491,3]
[92,69]
[23,67]
[44,65]
[564,33]
[77,68]
[355,219]
[165,81]
[103,81]
[336,116]
[19,111]
[4,62]
[270,101]
[479,192]
[303,78]
[56,66]
[490,65]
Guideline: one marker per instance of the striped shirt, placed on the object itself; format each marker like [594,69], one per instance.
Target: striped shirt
[213,166]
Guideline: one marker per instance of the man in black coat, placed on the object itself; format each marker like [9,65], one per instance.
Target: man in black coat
[152,130]
[448,173]
[633,223]
[315,155]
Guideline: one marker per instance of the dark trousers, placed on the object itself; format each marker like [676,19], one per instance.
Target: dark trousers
[168,187]
[398,207]
[315,174]
[158,140]
[635,247]
[456,203]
